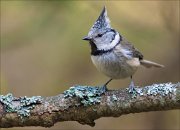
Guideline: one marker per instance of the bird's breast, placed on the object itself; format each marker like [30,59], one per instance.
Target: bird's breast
[114,66]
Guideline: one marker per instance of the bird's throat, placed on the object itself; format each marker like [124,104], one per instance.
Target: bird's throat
[95,51]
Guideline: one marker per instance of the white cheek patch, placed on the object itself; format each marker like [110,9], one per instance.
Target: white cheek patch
[115,41]
[111,45]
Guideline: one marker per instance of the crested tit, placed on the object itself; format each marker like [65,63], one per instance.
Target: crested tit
[112,54]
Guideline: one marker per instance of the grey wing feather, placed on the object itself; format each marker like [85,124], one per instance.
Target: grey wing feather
[130,47]
[135,53]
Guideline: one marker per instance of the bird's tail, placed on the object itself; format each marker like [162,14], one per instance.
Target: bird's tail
[150,64]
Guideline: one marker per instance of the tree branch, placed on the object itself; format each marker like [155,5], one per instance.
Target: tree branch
[86,104]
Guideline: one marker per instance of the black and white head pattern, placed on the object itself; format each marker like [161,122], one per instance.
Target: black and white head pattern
[101,23]
[102,37]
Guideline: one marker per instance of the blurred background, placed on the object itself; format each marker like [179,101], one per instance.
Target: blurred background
[42,52]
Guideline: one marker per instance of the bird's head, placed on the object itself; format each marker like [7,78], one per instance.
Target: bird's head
[101,35]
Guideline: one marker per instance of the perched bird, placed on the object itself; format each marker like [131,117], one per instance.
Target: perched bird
[112,54]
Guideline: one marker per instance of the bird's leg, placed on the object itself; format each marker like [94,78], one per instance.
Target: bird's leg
[131,86]
[104,87]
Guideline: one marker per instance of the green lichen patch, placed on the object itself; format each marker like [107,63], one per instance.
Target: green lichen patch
[114,98]
[21,105]
[162,89]
[139,91]
[87,95]
[7,101]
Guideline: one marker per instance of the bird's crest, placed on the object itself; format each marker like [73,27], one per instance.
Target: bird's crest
[101,23]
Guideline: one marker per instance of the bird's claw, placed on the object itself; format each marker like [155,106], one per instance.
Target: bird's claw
[104,88]
[132,88]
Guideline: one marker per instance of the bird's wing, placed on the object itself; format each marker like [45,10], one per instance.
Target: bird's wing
[130,52]
[129,47]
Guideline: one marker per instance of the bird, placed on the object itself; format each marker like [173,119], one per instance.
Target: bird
[113,54]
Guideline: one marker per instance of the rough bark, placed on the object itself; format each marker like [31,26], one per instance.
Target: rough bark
[86,104]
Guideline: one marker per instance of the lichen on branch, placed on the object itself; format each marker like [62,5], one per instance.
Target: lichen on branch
[86,104]
[22,105]
[88,95]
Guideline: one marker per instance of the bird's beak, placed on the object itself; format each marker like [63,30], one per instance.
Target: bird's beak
[86,38]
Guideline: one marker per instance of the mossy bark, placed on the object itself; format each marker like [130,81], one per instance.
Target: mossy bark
[86,104]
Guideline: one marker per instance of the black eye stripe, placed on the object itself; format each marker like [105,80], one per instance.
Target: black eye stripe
[101,34]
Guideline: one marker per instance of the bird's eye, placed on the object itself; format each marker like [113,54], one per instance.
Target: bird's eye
[99,35]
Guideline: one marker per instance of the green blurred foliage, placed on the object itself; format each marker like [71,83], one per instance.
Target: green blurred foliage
[42,52]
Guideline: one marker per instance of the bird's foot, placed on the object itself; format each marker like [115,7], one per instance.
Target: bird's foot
[132,89]
[104,88]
